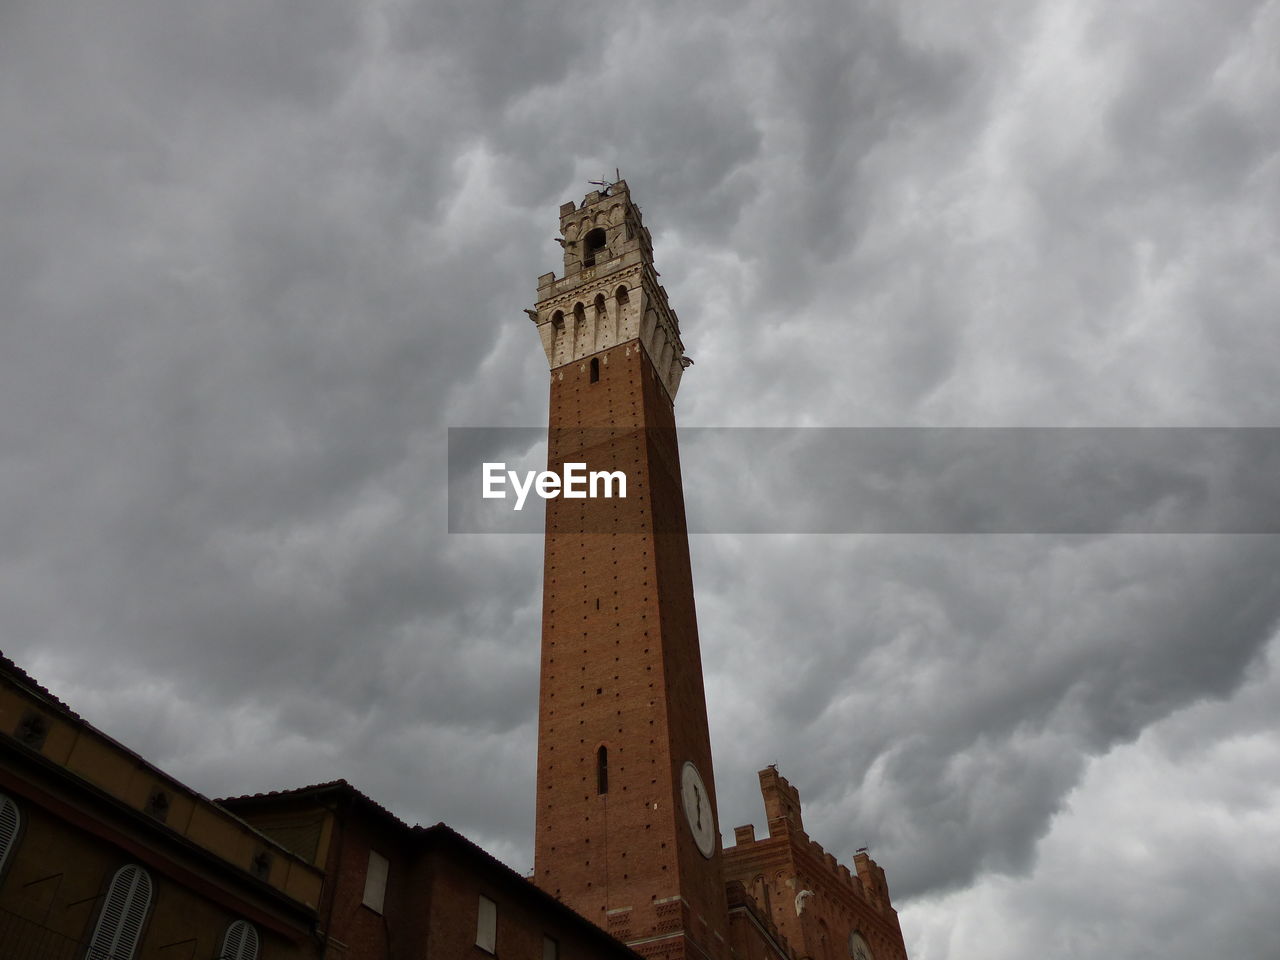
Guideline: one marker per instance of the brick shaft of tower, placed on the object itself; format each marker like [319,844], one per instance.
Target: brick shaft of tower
[622,709]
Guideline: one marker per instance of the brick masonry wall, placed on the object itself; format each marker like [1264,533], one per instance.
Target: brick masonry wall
[621,669]
[775,869]
[454,892]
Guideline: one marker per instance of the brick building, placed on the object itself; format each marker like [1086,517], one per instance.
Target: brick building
[105,857]
[102,855]
[398,891]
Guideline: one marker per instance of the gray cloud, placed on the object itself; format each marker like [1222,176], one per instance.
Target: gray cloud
[1174,803]
[948,690]
[256,262]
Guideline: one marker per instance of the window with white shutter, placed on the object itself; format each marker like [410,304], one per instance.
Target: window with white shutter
[487,926]
[240,942]
[123,913]
[10,820]
[375,881]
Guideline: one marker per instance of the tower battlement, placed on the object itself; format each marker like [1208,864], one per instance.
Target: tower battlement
[609,293]
[813,899]
[781,801]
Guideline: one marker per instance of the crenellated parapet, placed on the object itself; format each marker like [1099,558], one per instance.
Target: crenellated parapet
[818,904]
[610,293]
[781,801]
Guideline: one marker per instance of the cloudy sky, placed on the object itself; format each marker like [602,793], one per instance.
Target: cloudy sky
[257,258]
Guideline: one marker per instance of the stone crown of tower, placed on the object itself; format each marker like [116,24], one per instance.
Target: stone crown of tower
[609,293]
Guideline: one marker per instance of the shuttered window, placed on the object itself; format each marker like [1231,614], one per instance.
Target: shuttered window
[240,942]
[123,913]
[9,823]
[375,881]
[487,926]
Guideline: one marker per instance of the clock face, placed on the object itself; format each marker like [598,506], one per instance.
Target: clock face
[697,809]
[858,948]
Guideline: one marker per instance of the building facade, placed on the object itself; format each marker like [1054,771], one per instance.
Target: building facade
[394,891]
[102,855]
[105,857]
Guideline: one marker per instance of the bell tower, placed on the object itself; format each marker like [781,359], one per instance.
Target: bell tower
[626,813]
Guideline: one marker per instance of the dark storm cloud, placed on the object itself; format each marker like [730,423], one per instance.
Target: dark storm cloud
[1165,807]
[221,402]
[946,691]
[256,262]
[497,51]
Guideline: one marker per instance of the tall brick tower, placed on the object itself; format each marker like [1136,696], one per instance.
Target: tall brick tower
[626,824]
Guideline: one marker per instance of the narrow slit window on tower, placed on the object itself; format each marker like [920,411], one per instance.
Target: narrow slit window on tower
[595,369]
[602,770]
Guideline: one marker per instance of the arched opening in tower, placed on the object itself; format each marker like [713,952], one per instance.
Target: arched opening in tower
[592,243]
